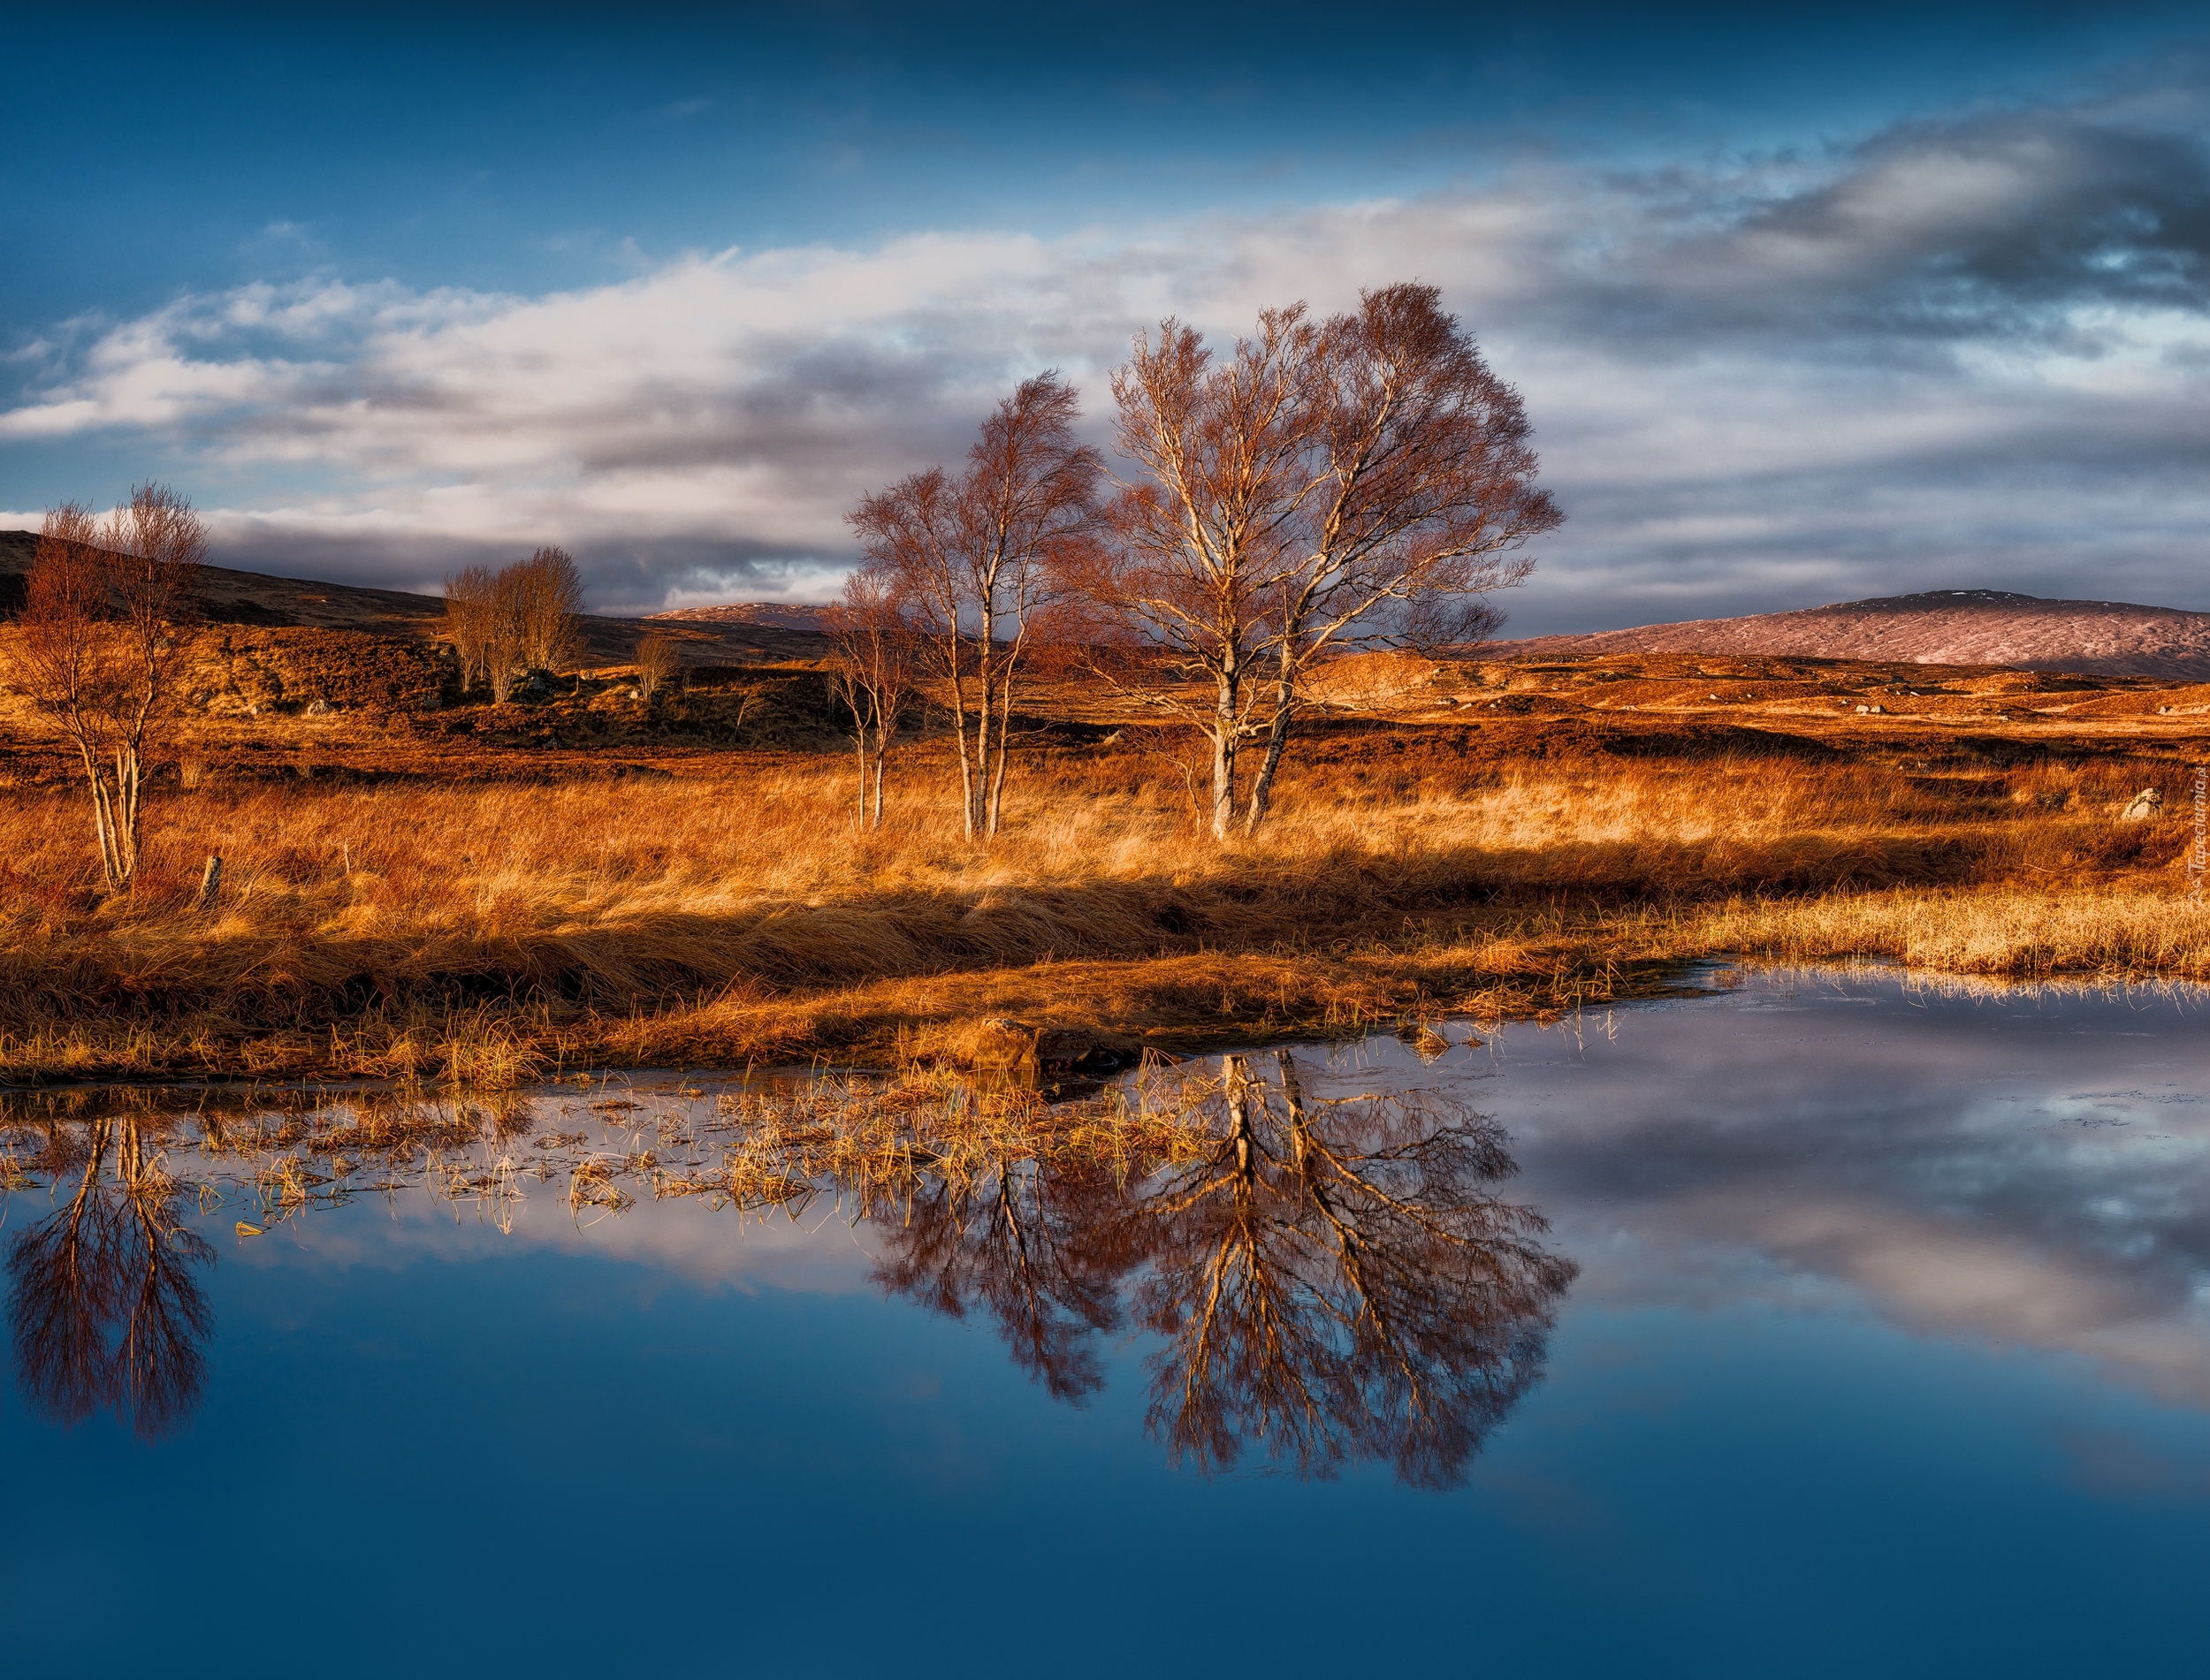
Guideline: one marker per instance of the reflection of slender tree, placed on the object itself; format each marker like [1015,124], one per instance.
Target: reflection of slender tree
[102,1301]
[1340,1284]
[1014,1241]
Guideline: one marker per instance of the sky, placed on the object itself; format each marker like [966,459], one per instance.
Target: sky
[1806,305]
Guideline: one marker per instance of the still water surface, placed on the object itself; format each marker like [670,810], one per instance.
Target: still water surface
[1827,1326]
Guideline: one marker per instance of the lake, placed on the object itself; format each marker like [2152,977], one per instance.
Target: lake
[1818,1324]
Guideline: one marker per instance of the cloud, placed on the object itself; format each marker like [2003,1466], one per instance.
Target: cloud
[1954,353]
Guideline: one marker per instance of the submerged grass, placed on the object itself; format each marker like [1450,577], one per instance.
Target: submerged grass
[272,1155]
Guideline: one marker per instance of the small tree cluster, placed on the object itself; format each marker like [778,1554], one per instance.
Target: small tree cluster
[98,646]
[1362,480]
[522,617]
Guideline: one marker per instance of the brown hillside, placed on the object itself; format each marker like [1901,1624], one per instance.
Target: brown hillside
[228,596]
[1942,626]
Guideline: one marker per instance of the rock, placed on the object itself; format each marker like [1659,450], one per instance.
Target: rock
[998,1041]
[999,1044]
[1075,1050]
[2148,804]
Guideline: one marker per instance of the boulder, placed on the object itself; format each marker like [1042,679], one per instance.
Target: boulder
[2146,805]
[999,1044]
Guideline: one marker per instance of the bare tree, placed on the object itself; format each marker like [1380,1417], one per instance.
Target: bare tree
[469,596]
[522,617]
[656,663]
[98,645]
[548,609]
[1426,494]
[978,559]
[1201,544]
[1364,481]
[872,669]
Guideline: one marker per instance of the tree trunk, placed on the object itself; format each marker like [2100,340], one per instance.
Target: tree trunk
[979,818]
[959,731]
[106,822]
[1225,724]
[1276,738]
[127,781]
[1004,735]
[103,831]
[1235,1079]
[859,745]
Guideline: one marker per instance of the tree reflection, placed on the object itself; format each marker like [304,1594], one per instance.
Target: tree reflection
[1331,1280]
[103,1306]
[1019,1242]
[1338,1282]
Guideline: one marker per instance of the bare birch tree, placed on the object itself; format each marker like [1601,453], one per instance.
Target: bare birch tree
[656,663]
[468,622]
[547,604]
[978,558]
[525,617]
[872,669]
[1202,543]
[1426,494]
[98,645]
[1364,481]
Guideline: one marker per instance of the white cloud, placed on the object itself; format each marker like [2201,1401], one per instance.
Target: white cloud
[1953,356]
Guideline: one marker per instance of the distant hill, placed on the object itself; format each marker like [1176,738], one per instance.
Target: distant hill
[254,599]
[1940,627]
[782,615]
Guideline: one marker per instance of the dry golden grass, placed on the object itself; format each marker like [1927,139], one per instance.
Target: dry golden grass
[378,917]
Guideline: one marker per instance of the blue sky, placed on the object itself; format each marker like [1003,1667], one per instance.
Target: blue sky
[1839,303]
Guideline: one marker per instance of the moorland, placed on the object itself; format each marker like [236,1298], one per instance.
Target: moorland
[422,884]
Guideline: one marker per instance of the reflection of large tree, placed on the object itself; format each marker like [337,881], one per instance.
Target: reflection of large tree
[1338,1282]
[1016,1241]
[104,1307]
